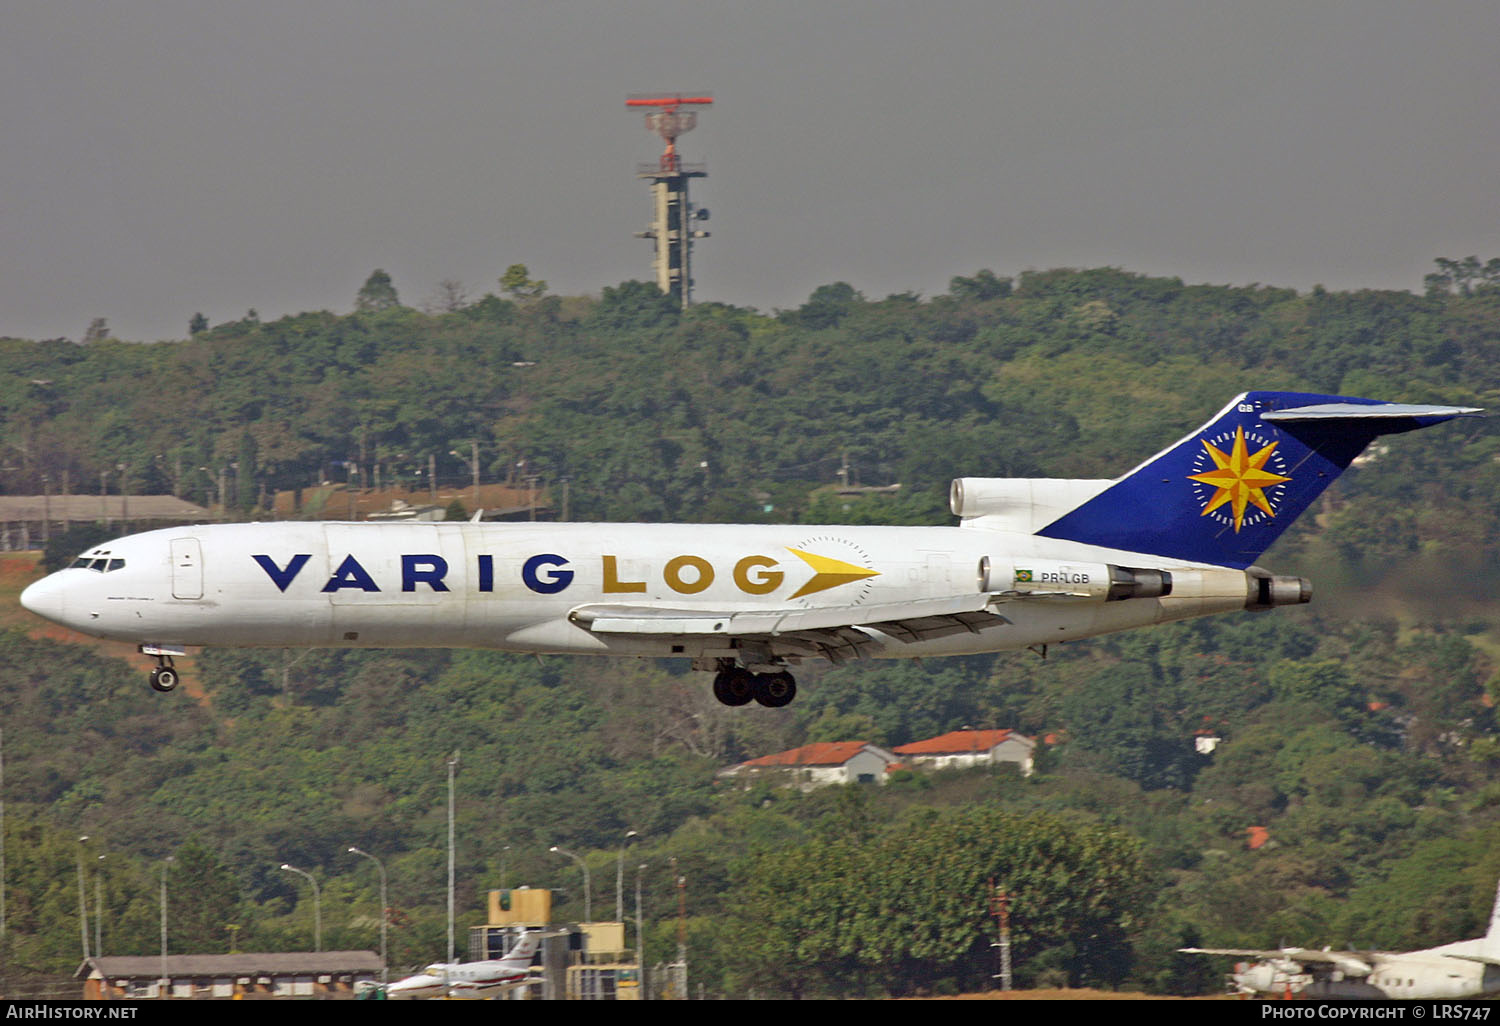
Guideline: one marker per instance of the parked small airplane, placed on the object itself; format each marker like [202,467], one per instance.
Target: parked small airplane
[1033,562]
[473,979]
[1463,969]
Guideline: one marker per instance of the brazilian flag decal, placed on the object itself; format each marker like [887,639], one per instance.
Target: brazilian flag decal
[1023,576]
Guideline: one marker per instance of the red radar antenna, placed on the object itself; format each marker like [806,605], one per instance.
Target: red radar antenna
[670,121]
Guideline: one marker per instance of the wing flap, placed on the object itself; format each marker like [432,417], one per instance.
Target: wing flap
[926,628]
[605,618]
[836,633]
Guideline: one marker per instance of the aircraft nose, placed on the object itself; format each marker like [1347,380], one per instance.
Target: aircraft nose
[45,599]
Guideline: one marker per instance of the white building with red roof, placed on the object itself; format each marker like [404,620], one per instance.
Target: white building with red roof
[822,763]
[962,748]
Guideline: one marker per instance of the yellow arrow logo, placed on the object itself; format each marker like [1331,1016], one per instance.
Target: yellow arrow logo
[828,572]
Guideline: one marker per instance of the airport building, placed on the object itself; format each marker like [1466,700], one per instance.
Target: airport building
[28,521]
[580,961]
[326,975]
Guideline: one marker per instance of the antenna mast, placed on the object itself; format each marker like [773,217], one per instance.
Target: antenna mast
[672,227]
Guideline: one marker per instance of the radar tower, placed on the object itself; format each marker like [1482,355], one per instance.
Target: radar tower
[672,227]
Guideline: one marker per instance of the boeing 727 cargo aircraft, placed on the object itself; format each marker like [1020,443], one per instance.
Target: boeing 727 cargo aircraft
[1032,562]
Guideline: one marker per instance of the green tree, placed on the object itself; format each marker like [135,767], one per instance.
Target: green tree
[908,909]
[518,284]
[376,294]
[1325,685]
[827,306]
[634,306]
[203,899]
[1462,276]
[1121,715]
[982,286]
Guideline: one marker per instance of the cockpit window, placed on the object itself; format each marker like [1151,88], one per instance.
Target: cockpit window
[99,564]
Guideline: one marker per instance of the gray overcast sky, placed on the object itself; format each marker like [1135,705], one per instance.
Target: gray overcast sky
[160,157]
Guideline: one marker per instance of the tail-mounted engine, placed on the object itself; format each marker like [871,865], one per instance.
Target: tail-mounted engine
[1107,582]
[1265,591]
[1050,578]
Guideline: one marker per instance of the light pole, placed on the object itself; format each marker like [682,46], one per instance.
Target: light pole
[99,909]
[452,768]
[317,905]
[640,941]
[630,835]
[163,983]
[588,895]
[472,461]
[384,908]
[2,851]
[681,930]
[83,905]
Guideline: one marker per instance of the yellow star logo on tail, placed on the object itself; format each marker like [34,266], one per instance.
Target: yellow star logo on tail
[828,572]
[1240,478]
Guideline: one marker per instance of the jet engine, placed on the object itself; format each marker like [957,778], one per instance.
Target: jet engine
[1276,976]
[1266,591]
[1097,581]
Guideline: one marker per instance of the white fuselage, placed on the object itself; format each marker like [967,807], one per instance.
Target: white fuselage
[1450,971]
[513,586]
[460,980]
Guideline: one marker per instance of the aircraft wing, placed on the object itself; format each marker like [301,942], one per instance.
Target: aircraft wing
[1347,962]
[838,633]
[1481,959]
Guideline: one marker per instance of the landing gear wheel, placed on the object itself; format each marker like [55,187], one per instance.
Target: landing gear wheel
[164,677]
[734,686]
[774,690]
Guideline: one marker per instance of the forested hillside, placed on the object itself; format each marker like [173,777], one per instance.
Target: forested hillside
[1358,733]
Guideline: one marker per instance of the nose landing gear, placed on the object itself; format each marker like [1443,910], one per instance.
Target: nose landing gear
[734,685]
[164,677]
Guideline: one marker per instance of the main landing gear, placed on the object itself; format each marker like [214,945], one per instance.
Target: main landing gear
[735,685]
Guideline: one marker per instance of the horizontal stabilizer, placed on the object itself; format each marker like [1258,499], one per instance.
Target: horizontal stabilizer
[1357,411]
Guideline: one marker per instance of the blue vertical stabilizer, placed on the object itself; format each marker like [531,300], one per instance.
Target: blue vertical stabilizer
[1225,492]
